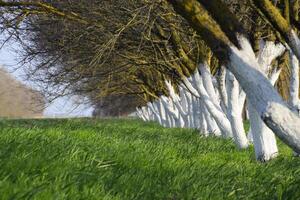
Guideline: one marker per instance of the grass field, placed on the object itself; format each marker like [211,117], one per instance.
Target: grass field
[129,159]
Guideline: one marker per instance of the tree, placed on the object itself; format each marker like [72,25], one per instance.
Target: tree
[229,42]
[146,50]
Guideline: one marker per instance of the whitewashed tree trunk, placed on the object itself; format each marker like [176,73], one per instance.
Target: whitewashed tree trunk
[163,114]
[175,99]
[203,125]
[263,138]
[207,82]
[194,112]
[140,114]
[158,111]
[190,107]
[294,85]
[221,78]
[172,120]
[265,144]
[294,82]
[185,107]
[216,112]
[295,44]
[167,102]
[234,113]
[209,86]
[146,113]
[154,110]
[262,95]
[242,100]
[183,115]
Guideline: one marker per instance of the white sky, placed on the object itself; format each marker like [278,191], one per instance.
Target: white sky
[62,107]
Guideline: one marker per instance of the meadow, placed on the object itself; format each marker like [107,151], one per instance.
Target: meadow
[130,159]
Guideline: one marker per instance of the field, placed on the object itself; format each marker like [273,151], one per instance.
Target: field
[130,159]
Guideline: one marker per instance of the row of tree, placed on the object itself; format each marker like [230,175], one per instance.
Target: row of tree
[214,105]
[185,63]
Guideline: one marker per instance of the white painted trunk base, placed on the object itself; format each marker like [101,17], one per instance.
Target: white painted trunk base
[262,95]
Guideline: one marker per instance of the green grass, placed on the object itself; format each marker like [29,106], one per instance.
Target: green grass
[129,159]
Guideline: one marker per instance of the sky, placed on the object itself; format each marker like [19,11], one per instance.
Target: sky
[61,107]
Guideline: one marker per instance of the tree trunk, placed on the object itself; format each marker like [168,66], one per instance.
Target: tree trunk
[262,95]
[263,138]
[234,113]
[217,113]
[294,82]
[221,78]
